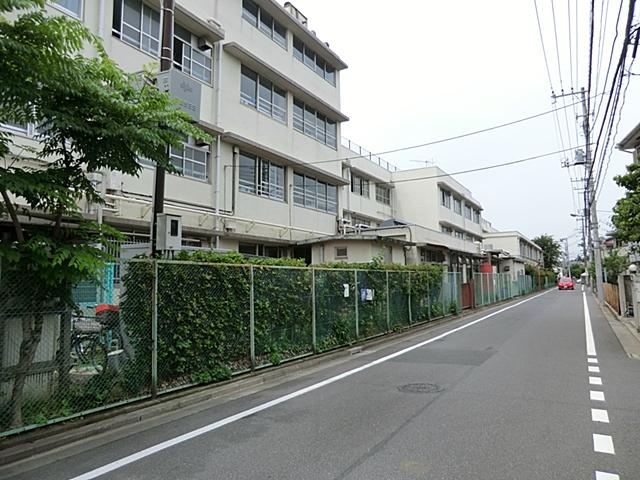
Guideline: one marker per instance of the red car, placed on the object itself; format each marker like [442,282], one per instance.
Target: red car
[565,283]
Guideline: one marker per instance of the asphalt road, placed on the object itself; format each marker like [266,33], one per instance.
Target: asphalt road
[507,397]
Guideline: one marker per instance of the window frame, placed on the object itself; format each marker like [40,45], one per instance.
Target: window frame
[383,194]
[71,13]
[207,162]
[119,31]
[256,21]
[328,197]
[192,45]
[341,257]
[310,60]
[360,185]
[263,184]
[308,124]
[468,212]
[445,198]
[269,107]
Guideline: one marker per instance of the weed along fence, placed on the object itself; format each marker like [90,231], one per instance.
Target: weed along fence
[199,320]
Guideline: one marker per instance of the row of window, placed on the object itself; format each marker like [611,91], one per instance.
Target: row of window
[460,234]
[264,22]
[314,61]
[361,185]
[137,24]
[469,212]
[310,192]
[262,94]
[267,179]
[309,121]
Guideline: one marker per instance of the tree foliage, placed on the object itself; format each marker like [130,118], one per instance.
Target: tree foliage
[550,250]
[614,264]
[626,213]
[88,115]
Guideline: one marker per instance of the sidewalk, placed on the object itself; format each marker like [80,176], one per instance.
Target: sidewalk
[625,329]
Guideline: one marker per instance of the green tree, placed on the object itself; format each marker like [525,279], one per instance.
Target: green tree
[89,115]
[626,213]
[550,250]
[614,264]
[576,269]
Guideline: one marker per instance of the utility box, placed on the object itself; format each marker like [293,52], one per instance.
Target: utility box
[169,232]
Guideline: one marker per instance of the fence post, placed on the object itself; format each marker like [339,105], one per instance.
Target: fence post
[481,290]
[252,320]
[388,319]
[409,300]
[313,309]
[355,276]
[154,332]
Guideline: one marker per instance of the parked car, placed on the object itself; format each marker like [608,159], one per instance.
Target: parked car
[565,283]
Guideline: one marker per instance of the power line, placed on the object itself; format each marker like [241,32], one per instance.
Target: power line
[615,88]
[613,45]
[544,51]
[606,170]
[591,15]
[456,137]
[479,169]
[602,38]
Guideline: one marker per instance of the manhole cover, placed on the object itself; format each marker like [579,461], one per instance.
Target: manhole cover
[420,388]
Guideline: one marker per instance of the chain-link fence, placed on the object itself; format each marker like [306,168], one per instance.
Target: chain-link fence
[167,325]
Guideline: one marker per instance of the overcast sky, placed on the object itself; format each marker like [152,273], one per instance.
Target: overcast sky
[421,70]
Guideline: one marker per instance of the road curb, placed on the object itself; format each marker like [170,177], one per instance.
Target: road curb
[35,442]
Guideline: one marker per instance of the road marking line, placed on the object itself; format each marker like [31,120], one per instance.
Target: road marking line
[594,369]
[597,396]
[591,346]
[606,476]
[603,444]
[595,380]
[599,415]
[110,467]
[592,360]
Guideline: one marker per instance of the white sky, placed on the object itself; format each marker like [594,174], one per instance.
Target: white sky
[421,70]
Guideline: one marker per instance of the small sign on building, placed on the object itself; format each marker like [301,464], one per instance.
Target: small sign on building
[186,90]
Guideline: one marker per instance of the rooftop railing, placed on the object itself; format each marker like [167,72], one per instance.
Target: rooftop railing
[364,153]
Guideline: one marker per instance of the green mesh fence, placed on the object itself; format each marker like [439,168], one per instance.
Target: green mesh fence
[208,322]
[335,304]
[399,316]
[282,314]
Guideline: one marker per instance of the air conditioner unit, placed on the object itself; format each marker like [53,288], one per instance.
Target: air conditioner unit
[204,44]
[201,143]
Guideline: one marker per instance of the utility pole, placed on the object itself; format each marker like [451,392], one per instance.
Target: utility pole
[590,214]
[166,62]
[591,203]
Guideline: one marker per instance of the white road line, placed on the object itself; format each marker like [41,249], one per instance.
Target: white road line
[110,467]
[594,369]
[595,380]
[596,396]
[603,444]
[592,360]
[606,476]
[599,415]
[591,346]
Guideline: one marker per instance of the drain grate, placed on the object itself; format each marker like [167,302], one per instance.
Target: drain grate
[420,388]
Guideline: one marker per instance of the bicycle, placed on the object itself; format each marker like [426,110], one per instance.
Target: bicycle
[91,342]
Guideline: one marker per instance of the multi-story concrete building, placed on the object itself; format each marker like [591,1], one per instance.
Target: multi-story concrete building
[277,180]
[511,251]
